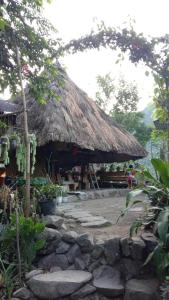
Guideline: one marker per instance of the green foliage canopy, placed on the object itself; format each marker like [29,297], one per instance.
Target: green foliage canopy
[22,25]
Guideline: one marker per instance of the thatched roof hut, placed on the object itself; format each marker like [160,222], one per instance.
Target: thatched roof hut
[77,121]
[7,107]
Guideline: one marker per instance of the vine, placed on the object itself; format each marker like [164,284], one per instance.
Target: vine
[6,144]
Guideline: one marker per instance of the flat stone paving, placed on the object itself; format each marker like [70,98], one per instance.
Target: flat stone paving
[107,209]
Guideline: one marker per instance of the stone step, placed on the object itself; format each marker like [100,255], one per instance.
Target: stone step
[96,224]
[58,284]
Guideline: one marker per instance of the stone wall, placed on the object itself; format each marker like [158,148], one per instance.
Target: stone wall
[95,194]
[75,267]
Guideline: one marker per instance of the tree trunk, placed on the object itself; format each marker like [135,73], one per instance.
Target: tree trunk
[26,140]
[167,147]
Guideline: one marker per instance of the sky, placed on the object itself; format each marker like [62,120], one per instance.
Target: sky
[74,18]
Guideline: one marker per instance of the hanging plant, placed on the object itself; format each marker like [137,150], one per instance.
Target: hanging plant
[33,145]
[7,143]
[20,154]
[5,146]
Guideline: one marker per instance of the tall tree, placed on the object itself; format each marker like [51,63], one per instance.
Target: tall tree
[104,95]
[120,100]
[28,43]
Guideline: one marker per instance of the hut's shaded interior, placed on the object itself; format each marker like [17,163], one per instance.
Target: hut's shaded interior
[70,155]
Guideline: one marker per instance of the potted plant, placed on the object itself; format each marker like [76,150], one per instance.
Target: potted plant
[47,195]
[59,196]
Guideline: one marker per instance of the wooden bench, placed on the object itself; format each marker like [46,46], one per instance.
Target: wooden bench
[116,179]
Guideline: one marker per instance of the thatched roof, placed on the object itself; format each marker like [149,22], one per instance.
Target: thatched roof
[78,120]
[7,106]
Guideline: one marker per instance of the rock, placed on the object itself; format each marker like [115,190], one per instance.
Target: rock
[91,195]
[107,281]
[130,268]
[86,258]
[83,292]
[79,264]
[50,247]
[142,289]
[55,269]
[33,273]
[53,260]
[22,293]
[85,241]
[73,253]
[77,214]
[58,212]
[137,248]
[70,237]
[103,261]
[90,219]
[112,250]
[83,196]
[62,248]
[94,265]
[64,227]
[59,284]
[72,226]
[53,221]
[50,234]
[96,224]
[98,249]
[150,241]
[71,267]
[125,246]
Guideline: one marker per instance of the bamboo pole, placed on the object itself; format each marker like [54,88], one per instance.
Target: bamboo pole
[26,139]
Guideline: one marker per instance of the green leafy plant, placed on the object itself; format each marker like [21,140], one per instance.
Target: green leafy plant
[49,191]
[156,216]
[29,230]
[7,277]
[160,254]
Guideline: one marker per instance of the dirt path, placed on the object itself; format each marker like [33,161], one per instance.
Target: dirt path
[110,208]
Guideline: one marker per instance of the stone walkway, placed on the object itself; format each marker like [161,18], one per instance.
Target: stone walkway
[85,218]
[104,211]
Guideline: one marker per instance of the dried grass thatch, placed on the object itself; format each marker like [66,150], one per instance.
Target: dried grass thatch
[78,120]
[7,107]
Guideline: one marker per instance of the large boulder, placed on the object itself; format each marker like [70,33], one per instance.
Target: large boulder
[53,260]
[142,289]
[33,273]
[108,282]
[50,247]
[112,250]
[85,241]
[62,248]
[130,268]
[137,248]
[53,221]
[23,293]
[50,234]
[73,253]
[83,292]
[125,244]
[98,249]
[150,241]
[58,284]
[70,237]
